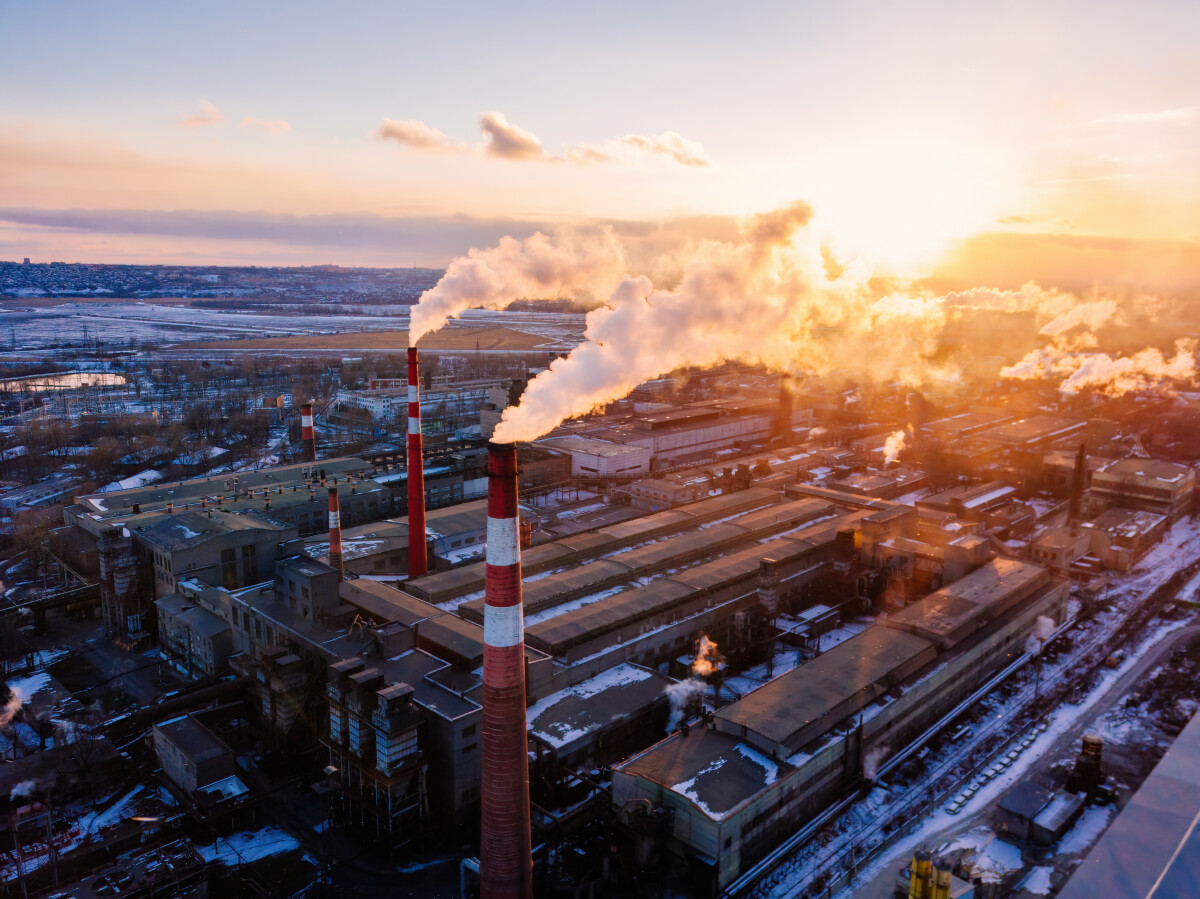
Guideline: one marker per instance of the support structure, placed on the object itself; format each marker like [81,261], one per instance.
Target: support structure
[417,559]
[506,862]
[335,534]
[307,433]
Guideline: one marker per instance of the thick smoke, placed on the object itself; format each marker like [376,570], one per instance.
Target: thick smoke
[1110,375]
[574,264]
[767,297]
[893,445]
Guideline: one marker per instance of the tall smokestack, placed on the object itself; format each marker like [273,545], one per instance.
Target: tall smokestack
[1075,510]
[306,426]
[784,425]
[416,474]
[506,862]
[335,533]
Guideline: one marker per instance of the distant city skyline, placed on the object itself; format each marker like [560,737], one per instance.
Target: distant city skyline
[1061,140]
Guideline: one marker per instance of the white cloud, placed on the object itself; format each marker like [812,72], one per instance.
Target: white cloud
[1158,117]
[208,115]
[271,126]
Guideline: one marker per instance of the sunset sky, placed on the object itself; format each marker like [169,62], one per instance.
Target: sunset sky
[1051,140]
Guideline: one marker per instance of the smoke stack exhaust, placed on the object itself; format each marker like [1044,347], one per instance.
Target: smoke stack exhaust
[335,533]
[306,425]
[417,562]
[506,862]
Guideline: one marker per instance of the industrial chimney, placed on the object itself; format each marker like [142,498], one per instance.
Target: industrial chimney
[783,426]
[416,474]
[506,862]
[335,533]
[306,425]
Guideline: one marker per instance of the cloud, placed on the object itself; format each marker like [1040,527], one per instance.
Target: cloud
[208,115]
[271,126]
[505,140]
[1158,117]
[674,146]
[417,136]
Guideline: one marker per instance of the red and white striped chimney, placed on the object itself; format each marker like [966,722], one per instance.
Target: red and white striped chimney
[417,561]
[335,533]
[505,859]
[306,425]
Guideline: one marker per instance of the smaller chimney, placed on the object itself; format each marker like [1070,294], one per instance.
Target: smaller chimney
[335,534]
[307,433]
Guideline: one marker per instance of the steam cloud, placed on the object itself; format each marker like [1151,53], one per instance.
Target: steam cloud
[681,695]
[573,266]
[893,445]
[767,297]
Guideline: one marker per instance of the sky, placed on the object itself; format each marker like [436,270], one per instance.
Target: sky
[1053,141]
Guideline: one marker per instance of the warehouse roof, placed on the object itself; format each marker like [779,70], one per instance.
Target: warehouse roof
[457,582]
[714,771]
[194,740]
[953,612]
[571,716]
[793,710]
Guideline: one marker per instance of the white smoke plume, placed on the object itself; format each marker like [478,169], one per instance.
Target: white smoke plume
[893,445]
[681,695]
[1113,376]
[22,788]
[574,264]
[765,297]
[1043,630]
[872,760]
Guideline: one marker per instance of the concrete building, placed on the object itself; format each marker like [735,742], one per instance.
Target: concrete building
[192,634]
[198,764]
[1163,488]
[776,757]
[1120,537]
[228,549]
[595,458]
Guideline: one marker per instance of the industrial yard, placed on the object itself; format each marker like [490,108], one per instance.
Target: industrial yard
[776,639]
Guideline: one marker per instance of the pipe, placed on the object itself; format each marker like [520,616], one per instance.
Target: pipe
[417,560]
[505,860]
[309,436]
[335,534]
[918,885]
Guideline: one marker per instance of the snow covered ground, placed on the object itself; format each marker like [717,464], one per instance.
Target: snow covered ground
[249,846]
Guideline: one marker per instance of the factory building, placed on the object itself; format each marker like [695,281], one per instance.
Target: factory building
[595,458]
[774,758]
[228,549]
[1149,485]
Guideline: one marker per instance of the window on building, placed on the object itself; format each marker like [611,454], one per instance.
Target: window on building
[249,564]
[229,568]
[469,748]
[468,731]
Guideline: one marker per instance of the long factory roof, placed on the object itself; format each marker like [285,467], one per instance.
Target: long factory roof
[558,634]
[955,611]
[665,552]
[791,711]
[446,585]
[787,714]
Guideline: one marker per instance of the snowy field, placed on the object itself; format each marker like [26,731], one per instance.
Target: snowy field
[118,323]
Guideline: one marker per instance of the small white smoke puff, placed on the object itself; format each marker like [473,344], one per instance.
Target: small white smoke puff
[681,695]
